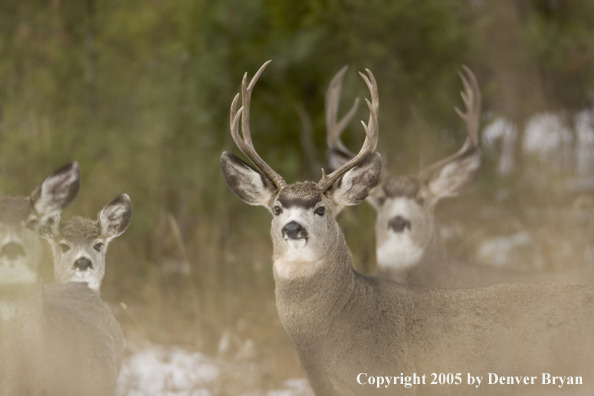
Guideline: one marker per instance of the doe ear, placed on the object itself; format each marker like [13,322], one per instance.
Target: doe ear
[115,217]
[249,185]
[448,180]
[354,186]
[57,191]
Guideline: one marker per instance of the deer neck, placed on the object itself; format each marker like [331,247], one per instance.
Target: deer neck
[436,249]
[13,298]
[313,298]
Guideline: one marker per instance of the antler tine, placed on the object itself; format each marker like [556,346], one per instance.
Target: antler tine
[472,101]
[373,121]
[244,142]
[371,135]
[334,129]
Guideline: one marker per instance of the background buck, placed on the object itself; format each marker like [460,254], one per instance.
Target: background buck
[342,323]
[55,339]
[409,247]
[79,245]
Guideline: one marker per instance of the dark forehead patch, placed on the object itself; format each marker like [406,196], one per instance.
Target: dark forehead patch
[401,186]
[304,195]
[78,229]
[300,202]
[14,209]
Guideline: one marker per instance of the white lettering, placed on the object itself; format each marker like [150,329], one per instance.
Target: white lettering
[359,378]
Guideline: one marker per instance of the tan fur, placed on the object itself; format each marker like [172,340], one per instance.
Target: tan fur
[435,267]
[342,323]
[22,267]
[64,340]
[57,339]
[78,237]
[417,254]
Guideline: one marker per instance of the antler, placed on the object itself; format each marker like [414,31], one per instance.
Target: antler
[472,100]
[371,132]
[244,142]
[334,129]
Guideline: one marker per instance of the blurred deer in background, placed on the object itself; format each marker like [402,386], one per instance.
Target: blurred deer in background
[79,245]
[55,339]
[409,245]
[343,323]
[20,246]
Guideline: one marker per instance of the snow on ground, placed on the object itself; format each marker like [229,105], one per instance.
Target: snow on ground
[158,370]
[164,371]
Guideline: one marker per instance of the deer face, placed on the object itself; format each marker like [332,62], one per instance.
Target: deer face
[79,245]
[79,252]
[406,225]
[405,221]
[21,220]
[304,229]
[302,217]
[20,246]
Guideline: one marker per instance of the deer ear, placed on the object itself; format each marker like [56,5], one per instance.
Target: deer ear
[57,191]
[115,217]
[354,186]
[249,185]
[49,228]
[448,180]
[377,195]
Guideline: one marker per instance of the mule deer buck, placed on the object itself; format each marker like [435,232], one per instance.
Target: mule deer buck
[79,245]
[409,246]
[54,339]
[346,326]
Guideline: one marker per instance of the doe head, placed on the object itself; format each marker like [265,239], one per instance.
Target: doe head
[79,245]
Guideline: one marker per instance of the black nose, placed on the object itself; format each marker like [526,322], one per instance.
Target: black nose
[83,264]
[398,224]
[12,251]
[294,230]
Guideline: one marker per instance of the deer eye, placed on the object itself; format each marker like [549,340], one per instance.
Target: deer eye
[98,247]
[320,211]
[420,200]
[64,247]
[277,210]
[381,200]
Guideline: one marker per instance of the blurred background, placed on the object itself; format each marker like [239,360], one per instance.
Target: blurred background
[139,92]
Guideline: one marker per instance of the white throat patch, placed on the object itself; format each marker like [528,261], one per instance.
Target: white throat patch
[399,252]
[91,281]
[296,269]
